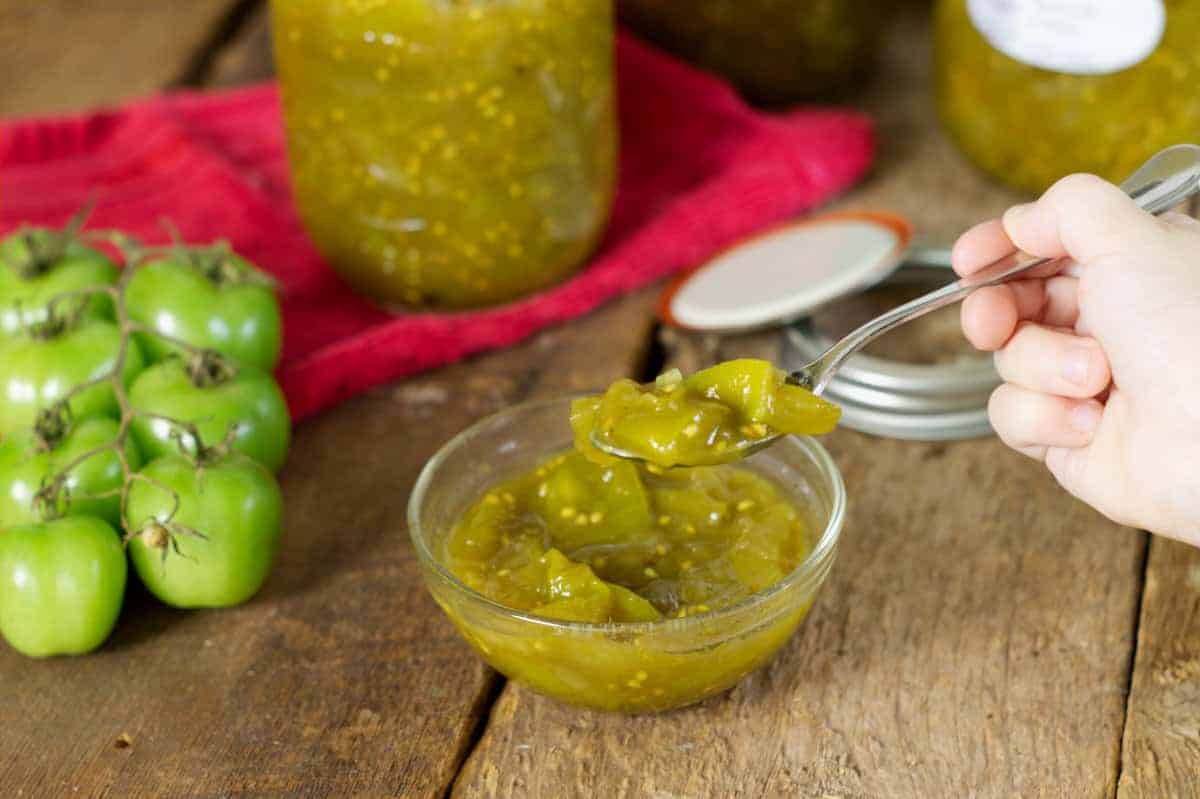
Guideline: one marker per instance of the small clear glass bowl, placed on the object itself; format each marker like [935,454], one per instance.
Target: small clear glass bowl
[629,667]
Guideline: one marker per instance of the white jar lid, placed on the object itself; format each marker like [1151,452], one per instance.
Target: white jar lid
[788,272]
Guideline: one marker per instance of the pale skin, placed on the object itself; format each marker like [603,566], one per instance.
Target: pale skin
[1101,357]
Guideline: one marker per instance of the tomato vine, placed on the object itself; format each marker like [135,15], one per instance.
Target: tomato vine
[204,366]
[142,426]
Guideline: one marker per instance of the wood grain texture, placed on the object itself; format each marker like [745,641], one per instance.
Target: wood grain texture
[58,56]
[1161,754]
[342,678]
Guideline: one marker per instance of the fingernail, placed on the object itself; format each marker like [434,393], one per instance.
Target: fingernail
[1181,220]
[1085,417]
[1016,212]
[1077,365]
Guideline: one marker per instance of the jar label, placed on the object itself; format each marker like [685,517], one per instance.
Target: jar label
[1078,37]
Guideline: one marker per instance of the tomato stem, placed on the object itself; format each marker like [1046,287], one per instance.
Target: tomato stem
[179,343]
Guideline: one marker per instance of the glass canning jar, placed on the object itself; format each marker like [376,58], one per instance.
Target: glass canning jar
[1032,90]
[775,51]
[449,153]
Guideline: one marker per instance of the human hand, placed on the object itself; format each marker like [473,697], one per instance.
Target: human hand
[1101,355]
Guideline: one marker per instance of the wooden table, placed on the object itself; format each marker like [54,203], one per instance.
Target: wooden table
[982,633]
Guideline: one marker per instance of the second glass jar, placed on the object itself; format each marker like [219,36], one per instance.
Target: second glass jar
[776,52]
[1076,91]
[449,154]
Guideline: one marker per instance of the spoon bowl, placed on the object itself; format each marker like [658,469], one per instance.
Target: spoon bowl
[739,452]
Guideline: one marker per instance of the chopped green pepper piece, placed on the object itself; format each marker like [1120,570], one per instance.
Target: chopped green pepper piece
[705,419]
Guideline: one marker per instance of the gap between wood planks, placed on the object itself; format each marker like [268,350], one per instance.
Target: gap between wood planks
[198,71]
[483,716]
[1143,566]
[1192,208]
[649,362]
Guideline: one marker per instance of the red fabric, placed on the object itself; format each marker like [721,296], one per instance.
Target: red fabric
[698,171]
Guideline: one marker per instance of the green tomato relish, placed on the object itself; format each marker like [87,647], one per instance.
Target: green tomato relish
[622,542]
[590,537]
[705,419]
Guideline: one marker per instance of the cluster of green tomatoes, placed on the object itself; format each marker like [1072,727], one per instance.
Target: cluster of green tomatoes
[139,423]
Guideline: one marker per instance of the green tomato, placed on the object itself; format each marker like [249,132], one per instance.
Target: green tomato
[214,301]
[24,470]
[38,264]
[234,503]
[61,585]
[249,399]
[35,372]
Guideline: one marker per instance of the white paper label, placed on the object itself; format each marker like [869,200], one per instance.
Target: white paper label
[1078,37]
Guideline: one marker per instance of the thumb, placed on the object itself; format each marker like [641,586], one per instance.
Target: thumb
[1076,471]
[1084,217]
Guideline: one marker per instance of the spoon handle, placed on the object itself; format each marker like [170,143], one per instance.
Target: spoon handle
[1168,178]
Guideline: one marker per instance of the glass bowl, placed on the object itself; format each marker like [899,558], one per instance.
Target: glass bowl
[629,667]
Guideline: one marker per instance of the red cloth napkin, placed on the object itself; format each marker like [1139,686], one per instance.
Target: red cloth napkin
[699,170]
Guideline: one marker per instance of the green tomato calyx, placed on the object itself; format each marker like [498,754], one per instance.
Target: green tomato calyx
[155,536]
[212,454]
[45,247]
[51,426]
[208,368]
[223,268]
[52,498]
[165,537]
[41,251]
[58,320]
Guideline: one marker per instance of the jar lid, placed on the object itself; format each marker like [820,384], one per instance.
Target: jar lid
[922,402]
[787,272]
[781,276]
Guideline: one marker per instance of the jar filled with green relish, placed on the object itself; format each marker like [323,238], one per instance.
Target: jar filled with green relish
[775,51]
[449,153]
[1036,89]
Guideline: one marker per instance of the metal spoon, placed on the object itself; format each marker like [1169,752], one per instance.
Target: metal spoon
[1167,179]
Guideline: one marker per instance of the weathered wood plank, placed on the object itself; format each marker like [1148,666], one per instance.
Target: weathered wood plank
[342,678]
[61,56]
[974,639]
[1161,753]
